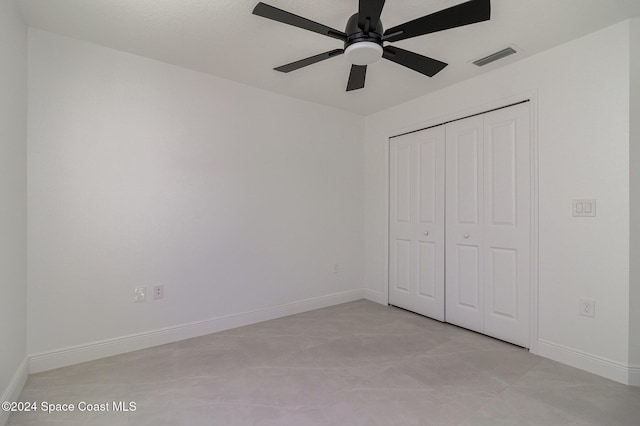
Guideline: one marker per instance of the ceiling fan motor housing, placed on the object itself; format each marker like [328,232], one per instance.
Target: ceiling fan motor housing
[363,45]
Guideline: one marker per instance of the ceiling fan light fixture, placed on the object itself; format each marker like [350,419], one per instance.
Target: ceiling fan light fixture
[363,53]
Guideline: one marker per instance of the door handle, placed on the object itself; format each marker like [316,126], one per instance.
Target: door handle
[426,233]
[466,235]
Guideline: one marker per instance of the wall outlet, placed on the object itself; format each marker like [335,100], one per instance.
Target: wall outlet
[140,294]
[336,268]
[587,307]
[158,291]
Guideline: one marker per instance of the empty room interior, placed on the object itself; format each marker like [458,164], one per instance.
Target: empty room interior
[320,212]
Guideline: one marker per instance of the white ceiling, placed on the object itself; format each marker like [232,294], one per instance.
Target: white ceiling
[223,38]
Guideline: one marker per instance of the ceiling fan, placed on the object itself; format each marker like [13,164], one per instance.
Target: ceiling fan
[364,37]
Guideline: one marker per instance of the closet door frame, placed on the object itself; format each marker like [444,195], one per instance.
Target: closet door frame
[532,98]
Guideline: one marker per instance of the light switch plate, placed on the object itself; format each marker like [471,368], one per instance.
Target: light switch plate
[583,207]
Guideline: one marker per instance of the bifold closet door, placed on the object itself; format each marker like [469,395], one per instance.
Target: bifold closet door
[488,179]
[507,177]
[417,222]
[464,239]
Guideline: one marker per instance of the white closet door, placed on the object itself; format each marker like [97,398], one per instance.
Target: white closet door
[488,187]
[464,232]
[507,189]
[417,235]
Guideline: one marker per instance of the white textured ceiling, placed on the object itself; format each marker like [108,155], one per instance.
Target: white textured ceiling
[223,38]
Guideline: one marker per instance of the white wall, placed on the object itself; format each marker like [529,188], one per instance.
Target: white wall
[143,173]
[13,128]
[236,199]
[634,178]
[583,135]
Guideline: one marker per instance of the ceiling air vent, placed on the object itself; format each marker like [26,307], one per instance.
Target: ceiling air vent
[494,57]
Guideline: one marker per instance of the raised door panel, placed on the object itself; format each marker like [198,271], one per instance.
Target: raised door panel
[466,175]
[427,272]
[402,187]
[402,265]
[501,173]
[468,261]
[502,278]
[428,178]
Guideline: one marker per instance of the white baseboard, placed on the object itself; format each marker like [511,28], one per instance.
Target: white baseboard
[12,392]
[604,367]
[374,296]
[634,375]
[95,350]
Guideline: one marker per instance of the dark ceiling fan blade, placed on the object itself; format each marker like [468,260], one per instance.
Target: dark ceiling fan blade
[457,16]
[285,17]
[422,64]
[356,77]
[308,61]
[369,9]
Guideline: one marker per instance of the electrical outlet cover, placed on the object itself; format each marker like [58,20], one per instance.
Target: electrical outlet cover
[158,292]
[587,307]
[140,294]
